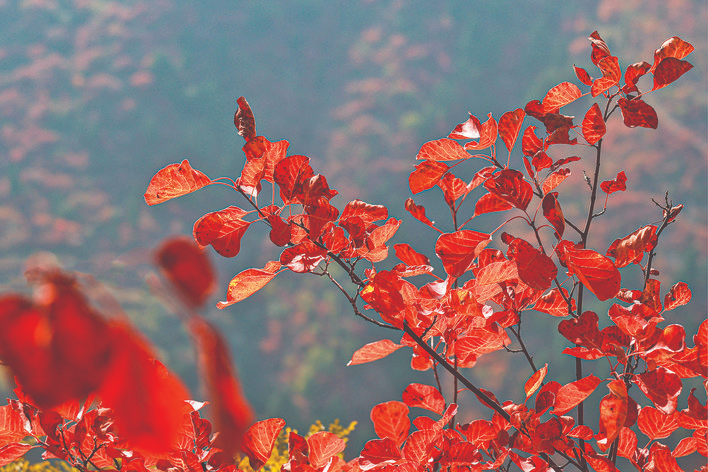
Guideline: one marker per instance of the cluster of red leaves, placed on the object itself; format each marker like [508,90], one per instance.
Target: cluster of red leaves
[64,355]
[454,320]
[448,322]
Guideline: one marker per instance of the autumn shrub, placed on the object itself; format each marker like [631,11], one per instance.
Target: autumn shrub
[536,263]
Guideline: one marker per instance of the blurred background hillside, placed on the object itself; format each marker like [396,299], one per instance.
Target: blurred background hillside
[96,96]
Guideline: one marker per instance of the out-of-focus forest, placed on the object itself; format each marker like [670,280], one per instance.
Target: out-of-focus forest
[97,95]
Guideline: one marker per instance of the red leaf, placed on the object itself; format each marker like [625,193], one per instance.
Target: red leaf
[231,412]
[479,432]
[661,386]
[599,48]
[443,149]
[470,129]
[570,395]
[553,213]
[323,446]
[553,303]
[583,75]
[290,175]
[378,451]
[479,341]
[633,73]
[509,126]
[582,330]
[618,184]
[453,188]
[593,125]
[303,257]
[409,256]
[13,425]
[685,447]
[426,175]
[457,250]
[679,295]
[530,143]
[259,440]
[660,459]
[374,351]
[509,184]
[391,421]
[561,95]
[632,247]
[248,282]
[150,417]
[655,424]
[222,229]
[541,161]
[554,180]
[535,381]
[243,119]
[424,396]
[487,135]
[672,47]
[535,269]
[613,412]
[490,202]
[13,451]
[595,271]
[421,445]
[611,75]
[636,112]
[188,268]
[174,181]
[418,212]
[274,153]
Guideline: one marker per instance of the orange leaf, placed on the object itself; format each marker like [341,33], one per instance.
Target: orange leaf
[323,446]
[426,175]
[656,424]
[535,381]
[374,351]
[424,396]
[249,282]
[174,181]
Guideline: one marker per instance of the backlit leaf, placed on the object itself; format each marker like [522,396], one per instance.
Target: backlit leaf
[595,271]
[554,180]
[323,446]
[303,257]
[174,181]
[570,395]
[593,125]
[618,184]
[632,247]
[672,47]
[409,256]
[561,95]
[582,330]
[222,229]
[457,250]
[424,396]
[662,386]
[582,75]
[535,381]
[487,135]
[426,175]
[530,143]
[453,188]
[680,294]
[391,421]
[535,268]
[470,129]
[378,451]
[669,70]
[10,452]
[541,161]
[553,213]
[188,268]
[509,126]
[509,184]
[613,411]
[656,424]
[290,174]
[490,202]
[259,440]
[247,283]
[443,149]
[611,75]
[632,75]
[553,303]
[599,48]
[374,351]
[637,112]
[231,412]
